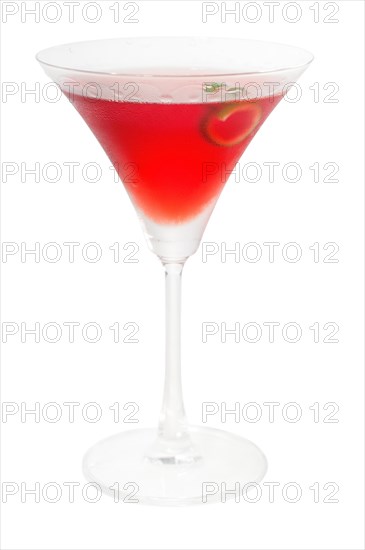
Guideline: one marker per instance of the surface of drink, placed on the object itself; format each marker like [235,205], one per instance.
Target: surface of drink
[174,158]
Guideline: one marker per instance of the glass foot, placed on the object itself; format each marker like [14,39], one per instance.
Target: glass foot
[207,469]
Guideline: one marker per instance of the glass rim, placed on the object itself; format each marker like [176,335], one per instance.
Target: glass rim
[284,68]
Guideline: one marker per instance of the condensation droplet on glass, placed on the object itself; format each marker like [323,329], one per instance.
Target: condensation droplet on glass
[166,98]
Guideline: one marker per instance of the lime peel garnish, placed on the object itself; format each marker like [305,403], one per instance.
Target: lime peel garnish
[212,87]
[224,113]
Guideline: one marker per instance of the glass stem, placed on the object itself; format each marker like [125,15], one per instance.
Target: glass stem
[172,424]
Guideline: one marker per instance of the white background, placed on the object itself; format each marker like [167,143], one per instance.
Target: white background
[309,131]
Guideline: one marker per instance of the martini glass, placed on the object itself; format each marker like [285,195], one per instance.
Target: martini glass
[174,115]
